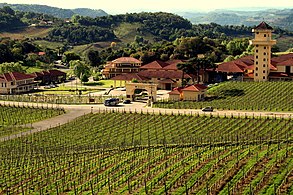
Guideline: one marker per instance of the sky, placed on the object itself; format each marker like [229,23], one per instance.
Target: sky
[123,6]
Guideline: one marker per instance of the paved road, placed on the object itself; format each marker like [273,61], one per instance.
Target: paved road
[75,111]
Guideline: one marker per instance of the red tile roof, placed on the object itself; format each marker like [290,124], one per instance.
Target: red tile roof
[56,73]
[157,64]
[288,62]
[197,87]
[232,66]
[16,76]
[163,74]
[281,58]
[166,81]
[239,65]
[129,77]
[126,60]
[263,26]
[174,92]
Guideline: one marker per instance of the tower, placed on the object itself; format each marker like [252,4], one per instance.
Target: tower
[262,51]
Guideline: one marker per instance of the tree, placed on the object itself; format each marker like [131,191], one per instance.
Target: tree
[68,56]
[80,69]
[93,57]
[11,67]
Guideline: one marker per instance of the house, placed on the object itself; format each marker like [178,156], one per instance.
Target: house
[120,66]
[189,93]
[16,82]
[50,76]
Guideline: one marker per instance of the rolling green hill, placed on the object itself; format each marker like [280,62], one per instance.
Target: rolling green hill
[54,11]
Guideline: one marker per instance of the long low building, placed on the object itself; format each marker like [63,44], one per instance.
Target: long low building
[16,82]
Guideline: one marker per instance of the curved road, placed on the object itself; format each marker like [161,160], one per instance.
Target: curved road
[74,111]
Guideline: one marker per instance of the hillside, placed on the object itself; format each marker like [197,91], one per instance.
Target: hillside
[276,17]
[54,11]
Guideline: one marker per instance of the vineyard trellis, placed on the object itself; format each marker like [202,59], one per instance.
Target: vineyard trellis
[57,99]
[265,96]
[15,118]
[135,153]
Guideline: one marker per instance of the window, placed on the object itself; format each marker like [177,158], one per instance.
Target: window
[11,83]
[264,59]
[256,51]
[256,68]
[265,35]
[264,65]
[264,53]
[256,45]
[265,47]
[256,74]
[264,77]
[256,62]
[257,33]
[256,56]
[264,71]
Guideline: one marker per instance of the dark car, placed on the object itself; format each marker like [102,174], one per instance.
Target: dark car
[126,102]
[111,102]
[208,109]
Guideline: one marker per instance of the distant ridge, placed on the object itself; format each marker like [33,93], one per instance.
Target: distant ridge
[54,11]
[282,18]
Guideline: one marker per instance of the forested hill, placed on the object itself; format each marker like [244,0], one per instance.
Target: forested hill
[276,17]
[54,11]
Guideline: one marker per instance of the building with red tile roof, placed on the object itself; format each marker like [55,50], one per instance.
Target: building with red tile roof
[49,76]
[16,82]
[190,93]
[120,66]
[281,68]
[165,74]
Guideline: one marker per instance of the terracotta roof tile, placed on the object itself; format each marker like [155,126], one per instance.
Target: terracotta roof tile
[16,76]
[263,26]
[288,62]
[197,87]
[129,77]
[126,60]
[174,92]
[163,74]
[157,64]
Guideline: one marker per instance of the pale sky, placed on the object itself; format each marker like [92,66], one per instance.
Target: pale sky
[123,6]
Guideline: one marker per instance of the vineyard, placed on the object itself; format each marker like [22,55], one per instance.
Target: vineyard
[14,118]
[264,96]
[56,99]
[135,153]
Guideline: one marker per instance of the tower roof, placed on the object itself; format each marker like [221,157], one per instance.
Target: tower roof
[263,26]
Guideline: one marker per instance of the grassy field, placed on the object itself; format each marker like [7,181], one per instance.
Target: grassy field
[48,44]
[266,96]
[132,153]
[28,32]
[126,32]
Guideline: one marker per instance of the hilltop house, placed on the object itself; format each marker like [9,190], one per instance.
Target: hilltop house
[15,82]
[120,66]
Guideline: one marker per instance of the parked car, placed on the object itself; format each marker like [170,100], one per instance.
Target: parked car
[208,109]
[111,102]
[126,102]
